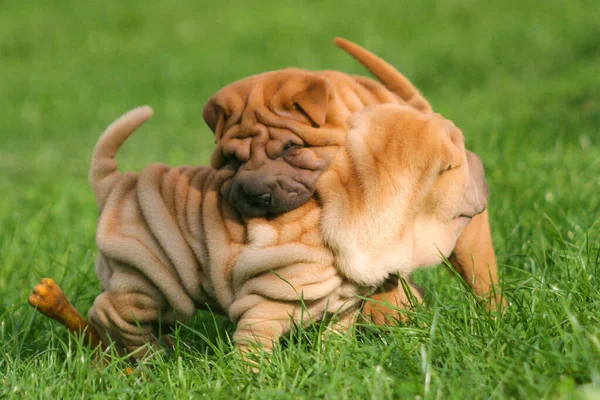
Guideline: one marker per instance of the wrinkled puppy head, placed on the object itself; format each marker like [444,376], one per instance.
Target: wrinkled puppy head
[275,136]
[410,189]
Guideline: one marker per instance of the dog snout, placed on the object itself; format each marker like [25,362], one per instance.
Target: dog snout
[254,193]
[261,200]
[255,185]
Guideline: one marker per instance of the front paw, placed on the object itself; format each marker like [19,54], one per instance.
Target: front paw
[382,309]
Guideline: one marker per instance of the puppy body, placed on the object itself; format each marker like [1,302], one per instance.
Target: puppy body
[169,244]
[288,225]
[398,194]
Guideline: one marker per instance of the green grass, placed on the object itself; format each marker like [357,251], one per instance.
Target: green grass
[522,79]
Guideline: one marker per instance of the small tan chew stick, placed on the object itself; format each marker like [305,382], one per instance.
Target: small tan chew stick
[49,299]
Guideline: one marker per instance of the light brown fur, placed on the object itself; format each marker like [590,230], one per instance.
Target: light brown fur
[277,132]
[382,202]
[256,118]
[385,212]
[169,243]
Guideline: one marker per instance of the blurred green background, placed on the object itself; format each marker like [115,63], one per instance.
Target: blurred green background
[521,78]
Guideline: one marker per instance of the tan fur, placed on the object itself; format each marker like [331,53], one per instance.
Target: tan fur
[169,243]
[399,196]
[402,212]
[256,117]
[277,132]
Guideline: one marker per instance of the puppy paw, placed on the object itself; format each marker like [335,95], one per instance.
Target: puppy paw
[49,299]
[381,314]
[385,308]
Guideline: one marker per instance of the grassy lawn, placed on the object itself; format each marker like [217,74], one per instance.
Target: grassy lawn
[522,79]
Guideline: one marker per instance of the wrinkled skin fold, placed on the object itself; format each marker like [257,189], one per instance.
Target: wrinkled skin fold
[306,113]
[277,132]
[322,186]
[397,193]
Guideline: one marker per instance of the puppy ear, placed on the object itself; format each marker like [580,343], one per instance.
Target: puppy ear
[215,117]
[313,101]
[478,193]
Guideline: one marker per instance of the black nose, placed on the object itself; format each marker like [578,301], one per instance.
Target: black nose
[261,200]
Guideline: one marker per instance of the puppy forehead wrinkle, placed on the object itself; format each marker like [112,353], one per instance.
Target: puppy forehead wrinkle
[284,136]
[234,145]
[309,135]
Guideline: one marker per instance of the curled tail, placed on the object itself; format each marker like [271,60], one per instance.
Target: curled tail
[104,168]
[388,75]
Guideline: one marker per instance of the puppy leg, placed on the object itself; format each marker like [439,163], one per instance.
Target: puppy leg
[129,319]
[475,260]
[259,329]
[341,324]
[383,307]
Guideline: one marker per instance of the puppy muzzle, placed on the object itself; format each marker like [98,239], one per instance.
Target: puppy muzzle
[255,194]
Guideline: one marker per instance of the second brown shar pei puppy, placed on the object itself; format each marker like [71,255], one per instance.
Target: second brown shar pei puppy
[279,131]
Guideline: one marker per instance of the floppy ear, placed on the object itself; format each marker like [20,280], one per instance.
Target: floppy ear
[214,116]
[313,101]
[479,191]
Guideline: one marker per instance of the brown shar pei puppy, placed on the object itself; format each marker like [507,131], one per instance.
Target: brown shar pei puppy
[169,243]
[399,192]
[277,133]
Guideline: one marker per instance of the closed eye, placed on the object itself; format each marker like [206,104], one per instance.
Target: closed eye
[450,167]
[232,163]
[291,146]
[230,158]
